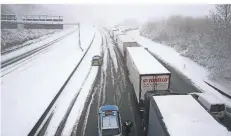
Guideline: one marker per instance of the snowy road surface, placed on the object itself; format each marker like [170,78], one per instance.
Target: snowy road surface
[28,90]
[112,87]
[71,101]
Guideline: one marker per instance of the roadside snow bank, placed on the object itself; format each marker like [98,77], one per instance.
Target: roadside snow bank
[44,41]
[221,85]
[27,91]
[12,39]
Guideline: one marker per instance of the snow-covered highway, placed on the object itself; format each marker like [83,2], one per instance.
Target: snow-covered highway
[61,84]
[71,101]
[28,90]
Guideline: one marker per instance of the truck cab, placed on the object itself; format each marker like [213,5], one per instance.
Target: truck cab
[212,104]
[109,121]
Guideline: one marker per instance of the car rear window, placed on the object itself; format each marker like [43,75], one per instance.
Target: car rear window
[110,132]
[217,108]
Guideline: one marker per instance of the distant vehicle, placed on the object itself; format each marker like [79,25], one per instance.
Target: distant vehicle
[116,34]
[97,60]
[109,121]
[211,104]
[180,115]
[124,41]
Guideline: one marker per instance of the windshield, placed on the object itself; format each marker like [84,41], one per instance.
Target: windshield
[217,108]
[110,132]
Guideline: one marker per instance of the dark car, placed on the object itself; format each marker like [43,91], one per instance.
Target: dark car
[96,60]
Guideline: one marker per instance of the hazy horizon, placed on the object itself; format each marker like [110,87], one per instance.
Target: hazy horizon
[114,13]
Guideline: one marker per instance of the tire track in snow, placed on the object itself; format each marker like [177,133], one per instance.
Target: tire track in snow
[117,94]
[63,122]
[93,103]
[87,113]
[37,127]
[25,61]
[80,130]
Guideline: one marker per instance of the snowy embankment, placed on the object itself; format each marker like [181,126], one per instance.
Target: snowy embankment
[188,68]
[27,91]
[44,40]
[12,39]
[71,102]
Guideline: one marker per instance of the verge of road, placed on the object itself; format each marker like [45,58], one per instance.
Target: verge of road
[187,79]
[168,66]
[220,91]
[35,130]
[29,42]
[26,54]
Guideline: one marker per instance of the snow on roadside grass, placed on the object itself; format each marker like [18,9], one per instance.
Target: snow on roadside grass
[225,87]
[25,49]
[14,38]
[185,66]
[27,91]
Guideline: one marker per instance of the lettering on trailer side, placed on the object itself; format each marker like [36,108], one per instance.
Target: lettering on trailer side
[151,83]
[155,80]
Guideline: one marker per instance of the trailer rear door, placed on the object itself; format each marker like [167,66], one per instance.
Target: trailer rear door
[154,82]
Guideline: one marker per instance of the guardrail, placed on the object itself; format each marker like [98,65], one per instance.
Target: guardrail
[220,91]
[24,55]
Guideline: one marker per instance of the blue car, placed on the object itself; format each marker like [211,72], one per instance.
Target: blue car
[109,121]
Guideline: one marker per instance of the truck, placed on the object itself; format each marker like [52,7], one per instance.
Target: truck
[125,41]
[180,115]
[115,36]
[112,31]
[211,103]
[146,73]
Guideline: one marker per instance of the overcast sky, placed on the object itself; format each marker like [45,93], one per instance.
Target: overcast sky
[116,12]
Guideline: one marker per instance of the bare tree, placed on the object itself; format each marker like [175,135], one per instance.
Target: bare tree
[222,21]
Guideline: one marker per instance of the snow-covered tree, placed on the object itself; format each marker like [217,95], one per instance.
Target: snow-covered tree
[222,22]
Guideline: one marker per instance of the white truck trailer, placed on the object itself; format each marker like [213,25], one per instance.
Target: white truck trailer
[116,33]
[112,31]
[146,73]
[181,115]
[125,41]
